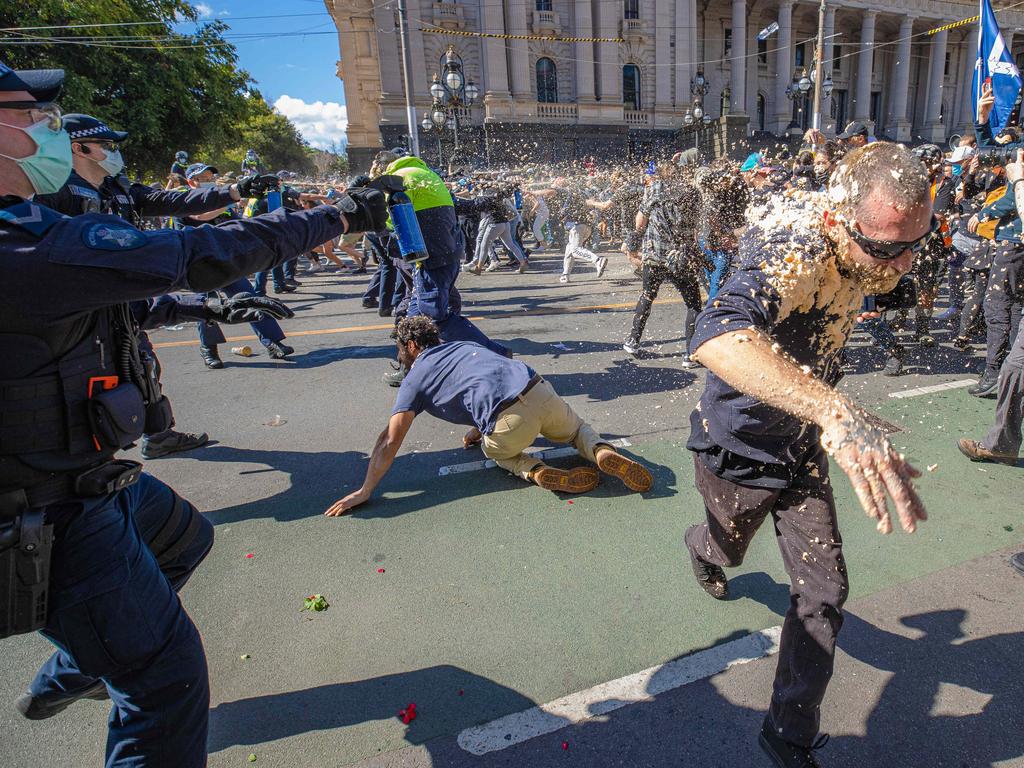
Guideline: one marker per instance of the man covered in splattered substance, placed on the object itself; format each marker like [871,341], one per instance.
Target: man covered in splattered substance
[769,416]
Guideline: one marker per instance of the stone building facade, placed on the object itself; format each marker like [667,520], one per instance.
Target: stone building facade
[547,100]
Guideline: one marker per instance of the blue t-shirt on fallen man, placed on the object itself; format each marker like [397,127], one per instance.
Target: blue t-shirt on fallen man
[463,383]
[789,288]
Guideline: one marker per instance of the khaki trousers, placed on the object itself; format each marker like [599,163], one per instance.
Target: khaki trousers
[540,412]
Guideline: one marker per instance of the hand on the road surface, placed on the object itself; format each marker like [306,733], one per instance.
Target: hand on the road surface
[986,101]
[341,506]
[861,448]
[471,438]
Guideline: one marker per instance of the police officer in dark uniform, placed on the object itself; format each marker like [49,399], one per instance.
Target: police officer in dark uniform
[96,156]
[180,163]
[98,546]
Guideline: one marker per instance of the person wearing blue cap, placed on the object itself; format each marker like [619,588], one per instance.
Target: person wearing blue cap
[99,546]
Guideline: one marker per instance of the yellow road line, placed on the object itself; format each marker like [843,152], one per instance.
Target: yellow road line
[389,326]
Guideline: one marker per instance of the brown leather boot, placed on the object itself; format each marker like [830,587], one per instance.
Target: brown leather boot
[975,451]
[575,480]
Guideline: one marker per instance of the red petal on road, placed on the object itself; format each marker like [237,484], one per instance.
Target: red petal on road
[380,570]
[565,745]
[570,501]
[250,556]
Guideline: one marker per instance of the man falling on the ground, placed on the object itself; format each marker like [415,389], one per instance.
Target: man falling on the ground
[507,404]
[769,413]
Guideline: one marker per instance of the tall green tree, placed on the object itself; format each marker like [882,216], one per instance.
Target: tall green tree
[171,91]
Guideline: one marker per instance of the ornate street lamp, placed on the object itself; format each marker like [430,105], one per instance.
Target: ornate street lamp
[427,124]
[688,119]
[436,89]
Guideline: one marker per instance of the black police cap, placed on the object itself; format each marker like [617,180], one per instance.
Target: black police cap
[88,128]
[43,85]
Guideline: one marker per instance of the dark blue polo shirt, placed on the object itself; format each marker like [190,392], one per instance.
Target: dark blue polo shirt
[463,383]
[787,287]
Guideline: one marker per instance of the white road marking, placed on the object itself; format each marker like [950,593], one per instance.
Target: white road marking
[607,697]
[540,453]
[934,388]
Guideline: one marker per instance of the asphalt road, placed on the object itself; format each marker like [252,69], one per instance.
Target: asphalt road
[477,597]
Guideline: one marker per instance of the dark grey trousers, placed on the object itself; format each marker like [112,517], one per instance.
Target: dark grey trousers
[807,532]
[1003,300]
[1005,435]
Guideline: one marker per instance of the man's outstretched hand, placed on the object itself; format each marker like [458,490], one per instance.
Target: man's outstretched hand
[862,450]
[341,506]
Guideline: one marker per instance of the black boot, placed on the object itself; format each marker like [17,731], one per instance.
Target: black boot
[710,577]
[894,362]
[922,331]
[786,754]
[41,707]
[279,350]
[211,357]
[169,441]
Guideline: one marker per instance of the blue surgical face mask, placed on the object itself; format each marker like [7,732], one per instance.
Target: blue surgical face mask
[958,169]
[50,165]
[113,163]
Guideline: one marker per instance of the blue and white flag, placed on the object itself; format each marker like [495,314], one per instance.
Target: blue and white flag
[995,65]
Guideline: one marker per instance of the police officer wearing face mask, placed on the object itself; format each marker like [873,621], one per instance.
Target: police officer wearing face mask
[98,546]
[96,157]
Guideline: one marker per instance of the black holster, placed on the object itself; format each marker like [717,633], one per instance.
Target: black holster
[25,546]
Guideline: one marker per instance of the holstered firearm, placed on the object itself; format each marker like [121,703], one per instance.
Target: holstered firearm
[25,547]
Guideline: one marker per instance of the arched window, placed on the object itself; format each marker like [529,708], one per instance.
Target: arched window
[631,86]
[547,81]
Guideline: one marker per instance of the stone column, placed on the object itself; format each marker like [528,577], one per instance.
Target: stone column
[934,129]
[519,51]
[968,58]
[901,81]
[865,61]
[685,51]
[662,63]
[609,23]
[738,65]
[827,52]
[495,64]
[783,107]
[584,51]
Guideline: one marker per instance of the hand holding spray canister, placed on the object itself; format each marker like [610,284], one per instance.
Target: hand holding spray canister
[403,219]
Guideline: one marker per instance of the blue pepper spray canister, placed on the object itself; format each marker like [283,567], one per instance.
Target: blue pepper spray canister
[410,237]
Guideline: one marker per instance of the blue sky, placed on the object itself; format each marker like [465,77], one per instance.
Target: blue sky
[296,71]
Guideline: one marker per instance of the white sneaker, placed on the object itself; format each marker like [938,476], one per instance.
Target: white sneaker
[492,266]
[688,363]
[313,269]
[601,264]
[633,349]
[563,279]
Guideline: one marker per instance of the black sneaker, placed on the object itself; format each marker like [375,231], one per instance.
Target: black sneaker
[291,282]
[786,754]
[1017,561]
[987,386]
[279,351]
[211,357]
[171,442]
[370,304]
[711,577]
[385,311]
[41,707]
[284,289]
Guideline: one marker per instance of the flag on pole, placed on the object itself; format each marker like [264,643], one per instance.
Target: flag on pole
[995,65]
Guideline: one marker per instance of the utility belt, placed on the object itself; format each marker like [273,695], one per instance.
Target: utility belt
[26,540]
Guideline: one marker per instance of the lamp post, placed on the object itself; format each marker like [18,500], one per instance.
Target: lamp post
[817,73]
[450,91]
[695,115]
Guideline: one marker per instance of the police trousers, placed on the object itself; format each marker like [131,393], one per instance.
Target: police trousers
[807,532]
[431,294]
[115,615]
[1004,297]
[540,412]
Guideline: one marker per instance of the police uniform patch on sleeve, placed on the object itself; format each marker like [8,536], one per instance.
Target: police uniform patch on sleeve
[112,237]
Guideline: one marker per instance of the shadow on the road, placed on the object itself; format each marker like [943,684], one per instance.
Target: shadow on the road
[761,588]
[623,378]
[414,476]
[447,698]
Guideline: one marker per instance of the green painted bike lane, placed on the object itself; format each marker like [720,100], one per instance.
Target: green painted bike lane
[476,596]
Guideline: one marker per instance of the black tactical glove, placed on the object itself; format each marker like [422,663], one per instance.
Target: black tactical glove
[365,209]
[254,186]
[246,309]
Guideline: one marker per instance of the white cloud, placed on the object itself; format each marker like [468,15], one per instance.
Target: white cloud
[322,124]
[204,10]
